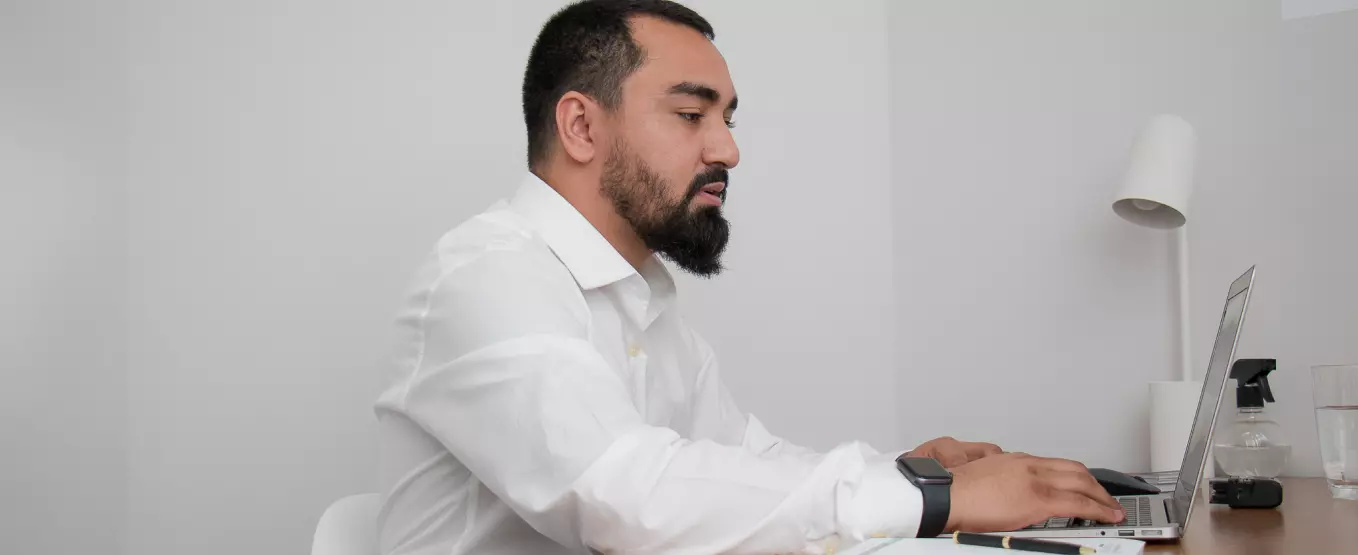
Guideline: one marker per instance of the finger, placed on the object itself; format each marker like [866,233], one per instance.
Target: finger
[977,450]
[1082,483]
[1062,465]
[1066,503]
[950,456]
[947,451]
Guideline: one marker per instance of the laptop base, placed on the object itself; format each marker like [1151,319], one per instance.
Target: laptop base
[1147,519]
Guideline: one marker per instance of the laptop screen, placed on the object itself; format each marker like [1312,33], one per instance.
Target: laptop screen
[1214,384]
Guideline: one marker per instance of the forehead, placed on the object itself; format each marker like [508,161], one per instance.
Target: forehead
[676,53]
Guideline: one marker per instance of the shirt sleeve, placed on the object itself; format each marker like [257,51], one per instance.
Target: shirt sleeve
[512,387]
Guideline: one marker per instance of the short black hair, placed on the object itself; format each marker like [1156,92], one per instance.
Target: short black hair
[587,47]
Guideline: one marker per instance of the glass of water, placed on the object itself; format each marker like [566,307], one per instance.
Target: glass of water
[1335,389]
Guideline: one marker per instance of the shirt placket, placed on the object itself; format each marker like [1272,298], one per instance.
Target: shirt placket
[633,299]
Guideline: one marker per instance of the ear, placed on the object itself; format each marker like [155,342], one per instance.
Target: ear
[575,117]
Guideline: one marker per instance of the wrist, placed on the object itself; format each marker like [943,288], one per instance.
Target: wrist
[954,523]
[934,484]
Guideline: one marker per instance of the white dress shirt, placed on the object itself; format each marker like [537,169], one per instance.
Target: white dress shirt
[549,398]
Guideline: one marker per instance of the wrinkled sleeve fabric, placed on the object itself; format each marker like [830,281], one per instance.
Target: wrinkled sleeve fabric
[508,381]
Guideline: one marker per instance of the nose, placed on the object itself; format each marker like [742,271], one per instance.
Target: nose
[721,148]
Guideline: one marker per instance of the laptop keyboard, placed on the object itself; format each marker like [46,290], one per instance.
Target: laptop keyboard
[1137,509]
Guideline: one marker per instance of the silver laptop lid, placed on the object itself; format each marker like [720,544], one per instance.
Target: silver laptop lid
[1213,385]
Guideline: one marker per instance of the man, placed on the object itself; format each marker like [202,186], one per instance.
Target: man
[549,397]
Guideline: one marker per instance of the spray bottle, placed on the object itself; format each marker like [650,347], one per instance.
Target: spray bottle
[1251,445]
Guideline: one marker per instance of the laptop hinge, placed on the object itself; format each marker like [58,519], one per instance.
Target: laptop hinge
[1169,510]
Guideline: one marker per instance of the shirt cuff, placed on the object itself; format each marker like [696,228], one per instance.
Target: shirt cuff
[886,504]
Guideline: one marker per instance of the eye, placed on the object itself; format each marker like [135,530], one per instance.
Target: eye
[730,124]
[691,117]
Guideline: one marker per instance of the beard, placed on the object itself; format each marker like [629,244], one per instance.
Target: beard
[692,238]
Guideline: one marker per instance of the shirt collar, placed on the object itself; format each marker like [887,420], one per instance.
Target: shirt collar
[662,289]
[589,257]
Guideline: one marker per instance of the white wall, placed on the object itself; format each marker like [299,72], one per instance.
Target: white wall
[291,161]
[1300,225]
[1307,8]
[62,272]
[1010,123]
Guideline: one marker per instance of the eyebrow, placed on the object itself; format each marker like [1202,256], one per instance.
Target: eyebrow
[703,92]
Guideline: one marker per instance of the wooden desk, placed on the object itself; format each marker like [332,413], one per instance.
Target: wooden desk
[1309,522]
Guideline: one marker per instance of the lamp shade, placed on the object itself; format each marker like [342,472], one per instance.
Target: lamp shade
[1159,178]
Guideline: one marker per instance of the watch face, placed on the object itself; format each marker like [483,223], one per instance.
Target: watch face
[925,470]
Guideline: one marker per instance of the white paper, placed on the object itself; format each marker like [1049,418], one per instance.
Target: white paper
[946,546]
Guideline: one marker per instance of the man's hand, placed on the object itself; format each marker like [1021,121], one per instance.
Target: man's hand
[952,453]
[1012,490]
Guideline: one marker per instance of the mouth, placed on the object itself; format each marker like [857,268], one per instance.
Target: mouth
[712,193]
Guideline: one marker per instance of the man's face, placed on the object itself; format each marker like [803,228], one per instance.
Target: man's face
[665,170]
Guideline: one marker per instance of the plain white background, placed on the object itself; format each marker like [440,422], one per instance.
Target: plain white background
[1307,8]
[63,264]
[1302,226]
[218,206]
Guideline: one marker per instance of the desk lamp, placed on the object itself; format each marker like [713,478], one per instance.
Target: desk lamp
[1154,193]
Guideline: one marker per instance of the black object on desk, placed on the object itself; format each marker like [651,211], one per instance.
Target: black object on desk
[1118,483]
[1246,493]
[1022,544]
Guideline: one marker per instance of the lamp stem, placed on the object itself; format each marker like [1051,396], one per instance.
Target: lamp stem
[1185,354]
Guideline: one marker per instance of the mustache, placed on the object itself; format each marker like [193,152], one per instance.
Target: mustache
[714,174]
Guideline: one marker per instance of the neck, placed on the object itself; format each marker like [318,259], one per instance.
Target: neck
[582,191]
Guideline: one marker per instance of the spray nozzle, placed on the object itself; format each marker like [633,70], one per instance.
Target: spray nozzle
[1251,375]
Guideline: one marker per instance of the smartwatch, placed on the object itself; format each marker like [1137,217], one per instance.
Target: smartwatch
[935,484]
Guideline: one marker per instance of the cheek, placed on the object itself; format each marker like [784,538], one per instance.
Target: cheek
[672,155]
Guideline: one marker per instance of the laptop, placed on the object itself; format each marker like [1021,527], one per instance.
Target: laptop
[1165,515]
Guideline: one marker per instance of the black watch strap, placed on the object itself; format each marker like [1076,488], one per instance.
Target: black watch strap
[935,487]
[937,505]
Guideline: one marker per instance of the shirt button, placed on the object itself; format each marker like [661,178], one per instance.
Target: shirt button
[634,350]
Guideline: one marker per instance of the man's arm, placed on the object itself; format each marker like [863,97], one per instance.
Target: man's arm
[509,383]
[992,491]
[716,409]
